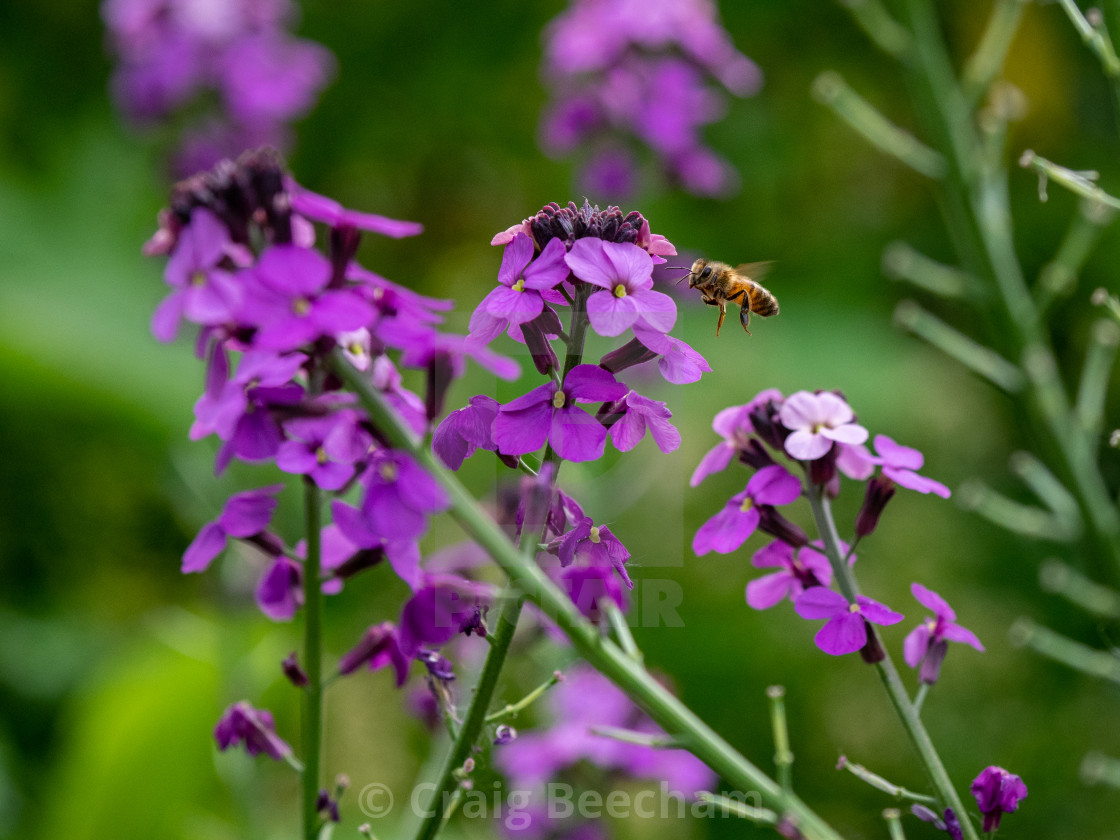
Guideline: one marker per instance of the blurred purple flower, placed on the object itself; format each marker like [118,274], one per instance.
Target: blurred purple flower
[845,630]
[734,426]
[377,648]
[808,568]
[280,590]
[594,545]
[254,728]
[927,644]
[245,515]
[729,528]
[443,607]
[997,793]
[900,463]
[399,496]
[465,430]
[324,448]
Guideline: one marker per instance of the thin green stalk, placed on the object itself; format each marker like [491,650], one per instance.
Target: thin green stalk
[602,654]
[312,660]
[879,783]
[896,691]
[514,709]
[783,755]
[987,62]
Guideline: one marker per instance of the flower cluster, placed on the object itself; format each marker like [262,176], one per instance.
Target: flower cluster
[175,54]
[628,73]
[818,432]
[277,319]
[595,265]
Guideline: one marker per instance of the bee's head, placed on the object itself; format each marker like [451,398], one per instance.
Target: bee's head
[700,271]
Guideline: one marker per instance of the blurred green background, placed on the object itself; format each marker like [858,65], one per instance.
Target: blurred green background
[114,668]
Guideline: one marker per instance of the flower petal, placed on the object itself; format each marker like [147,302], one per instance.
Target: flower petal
[841,635]
[767,591]
[656,310]
[915,645]
[806,446]
[717,459]
[820,602]
[878,613]
[588,261]
[610,315]
[576,435]
[514,259]
[590,383]
[930,599]
[774,485]
[956,633]
[896,455]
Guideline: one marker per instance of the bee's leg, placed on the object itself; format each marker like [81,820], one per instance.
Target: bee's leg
[722,313]
[745,318]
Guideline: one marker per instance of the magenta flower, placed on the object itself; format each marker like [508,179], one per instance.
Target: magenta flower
[399,496]
[845,631]
[245,515]
[729,528]
[287,298]
[549,414]
[443,607]
[242,724]
[734,426]
[327,210]
[900,463]
[808,568]
[203,292]
[997,793]
[377,648]
[403,554]
[465,430]
[280,590]
[517,300]
[634,416]
[325,448]
[594,545]
[927,643]
[816,421]
[677,362]
[625,273]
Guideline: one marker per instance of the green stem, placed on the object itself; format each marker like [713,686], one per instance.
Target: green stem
[783,755]
[610,660]
[513,709]
[312,660]
[896,691]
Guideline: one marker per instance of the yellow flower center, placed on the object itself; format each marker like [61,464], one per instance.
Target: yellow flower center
[355,349]
[595,538]
[853,608]
[747,504]
[519,286]
[387,470]
[620,291]
[301,306]
[558,399]
[198,278]
[320,455]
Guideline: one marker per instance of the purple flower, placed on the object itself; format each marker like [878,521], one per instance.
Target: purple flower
[465,430]
[815,422]
[280,590]
[203,292]
[634,415]
[594,545]
[899,464]
[245,515]
[997,793]
[437,612]
[584,700]
[325,448]
[845,631]
[807,569]
[377,648]
[734,426]
[287,298]
[549,414]
[227,407]
[729,528]
[517,300]
[625,273]
[403,554]
[399,496]
[242,724]
[927,643]
[677,362]
[268,78]
[327,210]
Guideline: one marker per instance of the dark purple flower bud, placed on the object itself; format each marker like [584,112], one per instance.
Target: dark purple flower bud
[295,674]
[540,348]
[280,591]
[773,523]
[950,824]
[504,734]
[872,651]
[327,806]
[767,425]
[439,666]
[242,724]
[822,470]
[628,355]
[377,648]
[997,793]
[754,454]
[879,491]
[441,371]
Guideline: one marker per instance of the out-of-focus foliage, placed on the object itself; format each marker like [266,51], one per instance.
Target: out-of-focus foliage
[113,668]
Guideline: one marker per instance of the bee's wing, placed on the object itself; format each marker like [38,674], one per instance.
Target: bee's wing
[754,271]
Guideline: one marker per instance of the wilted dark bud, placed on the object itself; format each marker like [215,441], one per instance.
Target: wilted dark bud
[359,561]
[344,245]
[504,734]
[754,454]
[879,492]
[438,666]
[773,523]
[327,806]
[293,672]
[536,334]
[629,354]
[610,413]
[474,623]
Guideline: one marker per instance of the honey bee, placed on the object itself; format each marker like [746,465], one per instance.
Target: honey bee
[719,283]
